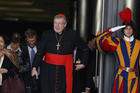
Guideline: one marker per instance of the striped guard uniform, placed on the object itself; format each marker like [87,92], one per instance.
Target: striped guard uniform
[127,55]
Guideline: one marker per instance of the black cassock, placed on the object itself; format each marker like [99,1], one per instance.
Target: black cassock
[53,76]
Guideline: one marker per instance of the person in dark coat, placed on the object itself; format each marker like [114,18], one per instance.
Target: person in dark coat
[15,46]
[83,77]
[57,47]
[29,49]
[91,66]
[78,72]
[9,64]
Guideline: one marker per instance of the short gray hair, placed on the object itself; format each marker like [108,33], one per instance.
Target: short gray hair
[60,16]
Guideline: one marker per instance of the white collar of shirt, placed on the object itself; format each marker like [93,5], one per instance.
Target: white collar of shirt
[30,49]
[9,47]
[129,39]
[1,61]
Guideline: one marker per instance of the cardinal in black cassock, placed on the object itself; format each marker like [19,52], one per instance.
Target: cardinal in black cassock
[57,47]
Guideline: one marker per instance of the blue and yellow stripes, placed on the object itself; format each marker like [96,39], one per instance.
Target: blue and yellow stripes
[122,85]
[128,55]
[125,53]
[99,39]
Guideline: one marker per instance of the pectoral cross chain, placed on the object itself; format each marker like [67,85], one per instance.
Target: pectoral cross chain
[58,46]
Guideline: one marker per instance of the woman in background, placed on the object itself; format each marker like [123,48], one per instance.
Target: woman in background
[9,64]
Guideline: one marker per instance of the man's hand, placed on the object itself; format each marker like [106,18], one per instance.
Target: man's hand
[79,66]
[87,90]
[3,70]
[34,72]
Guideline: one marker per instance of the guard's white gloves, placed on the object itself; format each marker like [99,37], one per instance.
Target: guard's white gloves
[117,28]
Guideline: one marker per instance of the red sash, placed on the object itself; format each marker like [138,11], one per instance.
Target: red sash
[67,61]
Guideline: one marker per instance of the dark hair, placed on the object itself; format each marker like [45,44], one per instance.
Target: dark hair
[131,24]
[5,38]
[90,37]
[16,38]
[30,33]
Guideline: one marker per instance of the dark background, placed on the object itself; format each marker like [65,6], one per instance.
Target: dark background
[42,20]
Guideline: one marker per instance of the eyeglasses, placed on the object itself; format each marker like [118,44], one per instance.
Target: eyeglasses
[31,41]
[59,23]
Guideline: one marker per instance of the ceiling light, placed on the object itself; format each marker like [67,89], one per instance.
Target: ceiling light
[15,3]
[21,9]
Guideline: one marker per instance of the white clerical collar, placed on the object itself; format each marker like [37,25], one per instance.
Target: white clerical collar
[129,39]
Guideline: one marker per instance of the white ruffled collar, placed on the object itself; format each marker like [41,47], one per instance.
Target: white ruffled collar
[129,39]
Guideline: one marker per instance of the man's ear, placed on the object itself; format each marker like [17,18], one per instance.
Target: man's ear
[65,24]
